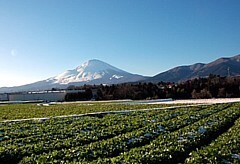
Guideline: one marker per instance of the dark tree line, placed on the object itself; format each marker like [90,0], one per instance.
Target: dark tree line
[211,87]
[79,96]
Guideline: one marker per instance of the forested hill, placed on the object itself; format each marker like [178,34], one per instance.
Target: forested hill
[222,66]
[211,87]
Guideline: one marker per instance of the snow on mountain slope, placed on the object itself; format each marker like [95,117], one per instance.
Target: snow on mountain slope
[88,71]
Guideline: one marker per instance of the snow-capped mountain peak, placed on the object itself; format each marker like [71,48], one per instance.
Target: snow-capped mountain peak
[89,71]
[96,65]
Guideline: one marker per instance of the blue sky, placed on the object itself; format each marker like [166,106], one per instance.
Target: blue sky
[42,38]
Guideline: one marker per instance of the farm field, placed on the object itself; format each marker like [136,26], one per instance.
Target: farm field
[196,134]
[25,111]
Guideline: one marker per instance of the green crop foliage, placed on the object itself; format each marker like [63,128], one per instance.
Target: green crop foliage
[25,111]
[201,134]
[225,149]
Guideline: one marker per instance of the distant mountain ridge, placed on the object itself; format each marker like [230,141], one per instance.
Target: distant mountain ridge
[91,72]
[221,66]
[98,72]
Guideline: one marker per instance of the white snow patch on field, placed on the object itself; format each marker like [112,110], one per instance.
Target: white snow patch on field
[201,101]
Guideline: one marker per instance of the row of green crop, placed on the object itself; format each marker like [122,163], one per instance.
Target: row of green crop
[109,126]
[23,111]
[23,129]
[225,149]
[175,147]
[122,143]
[71,126]
[56,126]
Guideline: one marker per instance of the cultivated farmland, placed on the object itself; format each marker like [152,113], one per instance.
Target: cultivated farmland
[193,134]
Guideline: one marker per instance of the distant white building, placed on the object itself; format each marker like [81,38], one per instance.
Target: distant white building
[48,96]
[3,97]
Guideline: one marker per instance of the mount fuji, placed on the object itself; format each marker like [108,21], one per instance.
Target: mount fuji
[91,72]
[95,72]
[98,72]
